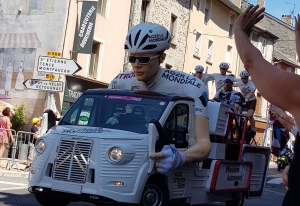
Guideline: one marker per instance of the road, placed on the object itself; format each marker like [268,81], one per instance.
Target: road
[13,192]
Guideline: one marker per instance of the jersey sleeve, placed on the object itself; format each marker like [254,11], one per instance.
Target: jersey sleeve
[217,94]
[252,86]
[209,77]
[201,100]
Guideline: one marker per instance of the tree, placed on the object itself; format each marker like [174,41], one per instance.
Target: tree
[18,120]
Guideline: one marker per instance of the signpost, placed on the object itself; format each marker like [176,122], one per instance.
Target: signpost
[44,85]
[57,65]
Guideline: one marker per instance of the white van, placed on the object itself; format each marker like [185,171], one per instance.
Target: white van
[99,151]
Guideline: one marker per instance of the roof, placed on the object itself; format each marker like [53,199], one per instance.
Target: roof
[260,30]
[279,21]
[231,6]
[145,94]
[282,58]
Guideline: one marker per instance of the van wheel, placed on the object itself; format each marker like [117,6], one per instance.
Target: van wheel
[155,194]
[237,199]
[47,200]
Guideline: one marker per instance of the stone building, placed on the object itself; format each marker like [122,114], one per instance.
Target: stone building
[174,15]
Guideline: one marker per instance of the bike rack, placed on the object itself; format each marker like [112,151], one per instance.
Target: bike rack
[244,131]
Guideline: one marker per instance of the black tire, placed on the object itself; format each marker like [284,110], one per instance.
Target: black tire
[47,200]
[237,199]
[279,167]
[155,194]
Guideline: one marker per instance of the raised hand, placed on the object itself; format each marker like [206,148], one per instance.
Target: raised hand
[249,18]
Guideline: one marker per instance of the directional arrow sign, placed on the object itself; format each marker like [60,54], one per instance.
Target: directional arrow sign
[57,65]
[45,85]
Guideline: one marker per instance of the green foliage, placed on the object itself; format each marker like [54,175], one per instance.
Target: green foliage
[18,120]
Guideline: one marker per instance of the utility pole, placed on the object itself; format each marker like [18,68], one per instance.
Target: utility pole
[293,11]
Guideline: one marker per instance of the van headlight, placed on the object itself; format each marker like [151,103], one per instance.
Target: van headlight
[115,154]
[40,146]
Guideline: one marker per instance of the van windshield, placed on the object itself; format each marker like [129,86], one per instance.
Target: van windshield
[129,113]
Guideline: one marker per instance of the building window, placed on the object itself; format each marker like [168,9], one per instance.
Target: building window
[168,66]
[144,7]
[230,28]
[49,6]
[229,55]
[288,69]
[264,47]
[197,44]
[102,7]
[254,38]
[11,7]
[198,3]
[210,48]
[206,11]
[93,69]
[173,26]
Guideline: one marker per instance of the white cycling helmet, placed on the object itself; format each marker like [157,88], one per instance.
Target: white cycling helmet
[244,73]
[199,68]
[147,38]
[224,65]
[230,78]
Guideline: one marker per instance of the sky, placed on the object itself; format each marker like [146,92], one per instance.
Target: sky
[278,8]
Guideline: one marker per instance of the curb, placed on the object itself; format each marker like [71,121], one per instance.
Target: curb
[13,174]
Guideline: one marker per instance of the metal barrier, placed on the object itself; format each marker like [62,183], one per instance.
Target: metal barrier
[7,150]
[19,150]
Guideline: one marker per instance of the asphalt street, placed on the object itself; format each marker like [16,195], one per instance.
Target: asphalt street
[13,192]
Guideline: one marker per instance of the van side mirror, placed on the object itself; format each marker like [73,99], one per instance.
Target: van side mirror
[180,136]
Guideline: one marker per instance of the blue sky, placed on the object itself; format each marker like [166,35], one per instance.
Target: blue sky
[279,7]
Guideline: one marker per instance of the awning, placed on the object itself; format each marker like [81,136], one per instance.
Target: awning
[6,104]
[23,40]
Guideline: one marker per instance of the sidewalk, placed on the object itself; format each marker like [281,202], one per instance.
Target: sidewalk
[14,171]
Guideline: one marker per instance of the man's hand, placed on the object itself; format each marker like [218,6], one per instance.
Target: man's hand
[285,176]
[249,18]
[169,158]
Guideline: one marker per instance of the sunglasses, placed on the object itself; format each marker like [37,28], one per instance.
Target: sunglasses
[141,59]
[223,68]
[199,72]
[228,82]
[244,78]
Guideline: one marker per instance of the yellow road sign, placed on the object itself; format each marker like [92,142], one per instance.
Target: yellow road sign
[54,54]
[50,76]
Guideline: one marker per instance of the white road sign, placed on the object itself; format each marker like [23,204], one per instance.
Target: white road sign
[45,85]
[57,65]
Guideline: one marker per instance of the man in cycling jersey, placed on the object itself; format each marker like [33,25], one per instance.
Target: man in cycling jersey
[248,89]
[146,44]
[219,78]
[227,95]
[199,74]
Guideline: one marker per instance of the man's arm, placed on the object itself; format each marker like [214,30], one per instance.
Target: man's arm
[249,95]
[297,34]
[201,149]
[267,78]
[209,77]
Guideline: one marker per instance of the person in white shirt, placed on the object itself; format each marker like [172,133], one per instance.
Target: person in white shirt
[219,78]
[199,74]
[248,90]
[146,44]
[227,95]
